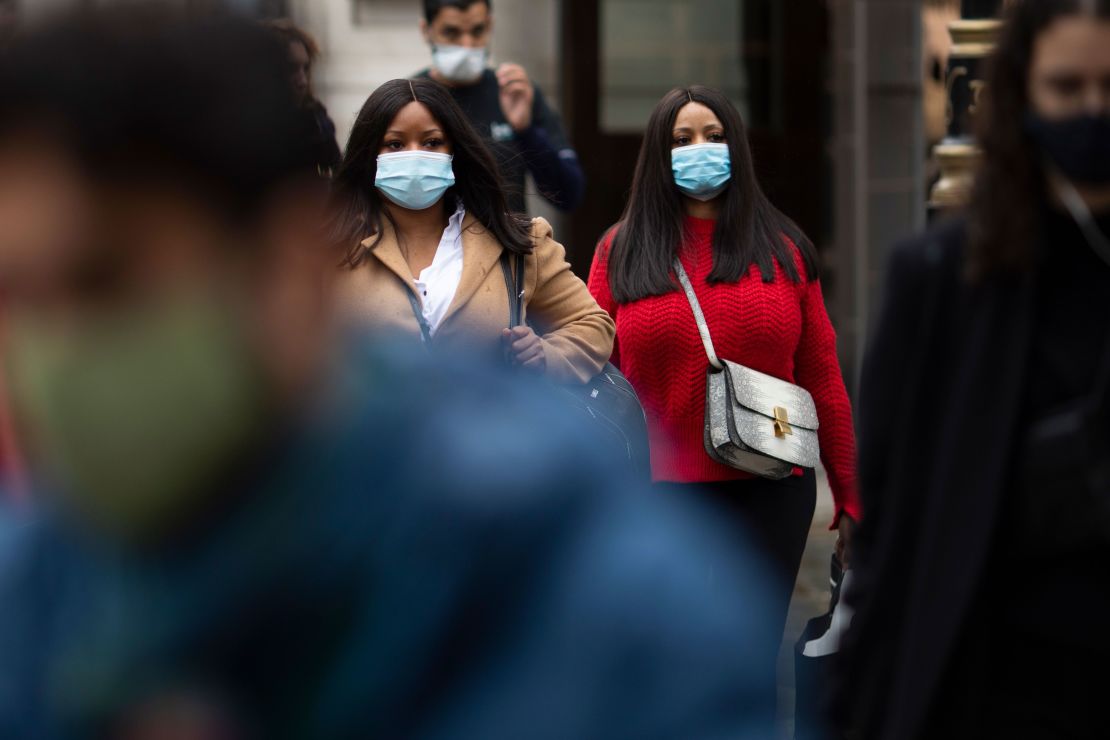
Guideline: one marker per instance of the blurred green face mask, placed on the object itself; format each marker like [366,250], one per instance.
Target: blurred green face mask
[135,416]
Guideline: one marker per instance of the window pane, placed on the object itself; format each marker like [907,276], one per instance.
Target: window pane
[651,46]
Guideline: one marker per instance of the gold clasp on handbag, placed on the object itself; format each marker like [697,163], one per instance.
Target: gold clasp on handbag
[782,422]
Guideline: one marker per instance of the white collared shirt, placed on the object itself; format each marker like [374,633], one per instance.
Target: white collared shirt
[439,281]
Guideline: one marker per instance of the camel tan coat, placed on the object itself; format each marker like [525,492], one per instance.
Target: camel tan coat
[577,334]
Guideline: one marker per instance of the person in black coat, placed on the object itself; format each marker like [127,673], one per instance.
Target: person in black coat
[981,587]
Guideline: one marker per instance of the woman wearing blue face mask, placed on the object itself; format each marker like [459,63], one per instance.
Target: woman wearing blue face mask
[695,198]
[424,222]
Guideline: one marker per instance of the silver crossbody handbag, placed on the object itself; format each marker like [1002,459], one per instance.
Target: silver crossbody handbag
[753,421]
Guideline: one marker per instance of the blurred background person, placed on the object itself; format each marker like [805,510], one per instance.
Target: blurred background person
[695,197]
[505,107]
[425,225]
[234,534]
[303,53]
[981,588]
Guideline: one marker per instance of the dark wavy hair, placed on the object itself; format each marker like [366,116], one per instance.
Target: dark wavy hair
[749,230]
[291,33]
[360,208]
[432,7]
[1010,186]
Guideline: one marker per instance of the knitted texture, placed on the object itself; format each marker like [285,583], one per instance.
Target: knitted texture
[780,328]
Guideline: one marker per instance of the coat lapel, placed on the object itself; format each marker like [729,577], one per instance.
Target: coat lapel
[388,252]
[481,253]
[975,459]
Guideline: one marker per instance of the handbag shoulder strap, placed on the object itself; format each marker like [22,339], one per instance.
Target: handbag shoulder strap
[513,270]
[699,317]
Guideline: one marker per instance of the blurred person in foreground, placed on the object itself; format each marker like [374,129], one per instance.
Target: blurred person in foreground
[9,19]
[981,566]
[303,53]
[504,105]
[233,534]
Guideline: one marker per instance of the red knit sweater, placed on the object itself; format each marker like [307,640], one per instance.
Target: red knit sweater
[779,328]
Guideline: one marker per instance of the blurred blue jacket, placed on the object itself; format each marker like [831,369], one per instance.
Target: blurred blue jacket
[442,552]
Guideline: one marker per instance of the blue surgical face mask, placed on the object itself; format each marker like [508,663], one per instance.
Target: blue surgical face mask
[701,171]
[414,180]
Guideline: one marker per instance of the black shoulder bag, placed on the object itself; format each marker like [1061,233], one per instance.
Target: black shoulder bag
[609,400]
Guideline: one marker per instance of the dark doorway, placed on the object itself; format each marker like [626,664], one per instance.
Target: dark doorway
[621,56]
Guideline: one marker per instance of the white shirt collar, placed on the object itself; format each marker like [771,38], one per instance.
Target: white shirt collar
[439,281]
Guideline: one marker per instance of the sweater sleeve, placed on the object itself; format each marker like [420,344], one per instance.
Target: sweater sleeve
[600,290]
[817,369]
[577,333]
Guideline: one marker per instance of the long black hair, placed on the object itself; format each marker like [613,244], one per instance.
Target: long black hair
[1010,185]
[750,230]
[360,207]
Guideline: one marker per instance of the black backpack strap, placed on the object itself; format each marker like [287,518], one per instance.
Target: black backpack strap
[519,282]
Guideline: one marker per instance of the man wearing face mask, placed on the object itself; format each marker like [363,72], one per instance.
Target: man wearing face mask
[510,112]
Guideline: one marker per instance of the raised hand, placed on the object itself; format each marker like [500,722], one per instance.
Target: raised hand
[517,94]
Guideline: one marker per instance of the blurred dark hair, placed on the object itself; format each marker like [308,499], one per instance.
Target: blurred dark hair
[750,230]
[143,94]
[477,182]
[1010,186]
[291,33]
[432,7]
